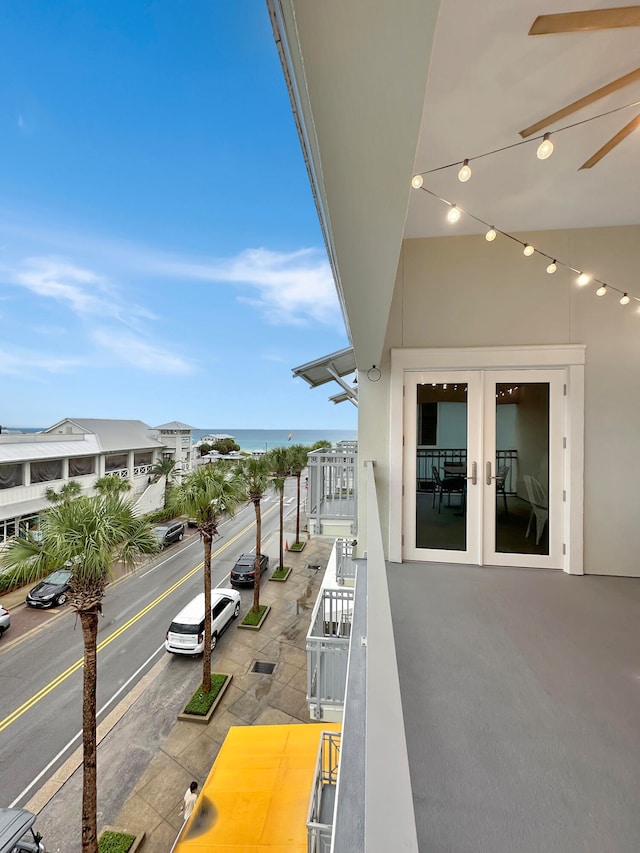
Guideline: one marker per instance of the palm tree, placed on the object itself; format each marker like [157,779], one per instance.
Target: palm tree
[298,459]
[67,493]
[164,468]
[206,495]
[254,472]
[280,469]
[111,485]
[90,533]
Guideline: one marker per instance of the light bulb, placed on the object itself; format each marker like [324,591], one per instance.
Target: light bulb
[491,235]
[528,250]
[417,181]
[624,300]
[454,213]
[552,267]
[545,149]
[583,278]
[465,172]
[601,290]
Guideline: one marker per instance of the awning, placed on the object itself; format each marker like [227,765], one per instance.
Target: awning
[331,368]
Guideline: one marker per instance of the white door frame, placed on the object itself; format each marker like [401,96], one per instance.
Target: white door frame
[571,357]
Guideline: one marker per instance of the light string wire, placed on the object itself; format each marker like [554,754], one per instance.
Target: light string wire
[523,243]
[529,140]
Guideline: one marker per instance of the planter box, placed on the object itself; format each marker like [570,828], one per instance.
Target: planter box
[137,840]
[283,579]
[297,547]
[203,719]
[259,625]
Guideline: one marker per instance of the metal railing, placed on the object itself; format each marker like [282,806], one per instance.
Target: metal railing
[332,486]
[328,650]
[322,802]
[345,566]
[429,458]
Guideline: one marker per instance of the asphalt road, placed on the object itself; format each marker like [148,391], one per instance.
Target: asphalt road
[41,676]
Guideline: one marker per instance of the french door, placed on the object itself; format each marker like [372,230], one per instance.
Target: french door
[483,466]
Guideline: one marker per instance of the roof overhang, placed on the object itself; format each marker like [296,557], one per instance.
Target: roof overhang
[331,368]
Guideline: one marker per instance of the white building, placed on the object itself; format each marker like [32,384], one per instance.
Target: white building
[177,440]
[489,702]
[80,449]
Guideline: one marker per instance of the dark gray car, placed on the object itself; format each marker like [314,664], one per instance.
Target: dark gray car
[169,532]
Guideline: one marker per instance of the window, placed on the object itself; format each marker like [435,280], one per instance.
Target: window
[82,466]
[115,461]
[145,458]
[44,472]
[10,475]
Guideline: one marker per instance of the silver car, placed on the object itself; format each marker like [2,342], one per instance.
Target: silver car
[5,620]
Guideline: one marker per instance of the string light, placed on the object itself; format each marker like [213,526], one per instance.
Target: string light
[417,181]
[545,149]
[465,172]
[492,232]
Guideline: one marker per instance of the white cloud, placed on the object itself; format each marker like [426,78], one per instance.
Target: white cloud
[24,363]
[55,278]
[132,350]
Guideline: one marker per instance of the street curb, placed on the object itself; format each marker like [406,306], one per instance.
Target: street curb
[66,770]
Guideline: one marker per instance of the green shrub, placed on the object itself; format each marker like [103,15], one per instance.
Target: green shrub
[14,579]
[297,546]
[115,842]
[201,702]
[160,515]
[253,618]
[280,572]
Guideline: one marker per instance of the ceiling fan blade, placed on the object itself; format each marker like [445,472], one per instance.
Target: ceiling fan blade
[620,83]
[595,19]
[611,144]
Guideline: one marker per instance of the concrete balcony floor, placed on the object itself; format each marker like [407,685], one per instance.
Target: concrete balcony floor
[521,699]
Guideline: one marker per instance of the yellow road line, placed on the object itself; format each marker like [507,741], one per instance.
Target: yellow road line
[14,715]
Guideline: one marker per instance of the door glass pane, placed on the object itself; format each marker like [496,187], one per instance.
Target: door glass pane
[521,467]
[441,465]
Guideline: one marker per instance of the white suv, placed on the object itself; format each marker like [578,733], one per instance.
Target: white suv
[186,633]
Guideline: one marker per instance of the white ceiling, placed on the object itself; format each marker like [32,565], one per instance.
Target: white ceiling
[488,80]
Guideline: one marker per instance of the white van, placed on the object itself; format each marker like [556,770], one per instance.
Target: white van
[186,633]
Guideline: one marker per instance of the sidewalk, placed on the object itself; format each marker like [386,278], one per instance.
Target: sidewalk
[146,758]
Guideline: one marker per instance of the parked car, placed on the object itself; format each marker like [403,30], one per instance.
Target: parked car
[186,633]
[17,834]
[244,570]
[5,619]
[169,532]
[51,590]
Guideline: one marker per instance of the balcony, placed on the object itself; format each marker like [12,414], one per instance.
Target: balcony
[345,564]
[328,653]
[332,490]
[322,803]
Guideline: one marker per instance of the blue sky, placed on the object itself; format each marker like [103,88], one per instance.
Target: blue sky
[160,254]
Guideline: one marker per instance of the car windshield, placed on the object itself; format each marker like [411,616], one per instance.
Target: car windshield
[59,577]
[161,529]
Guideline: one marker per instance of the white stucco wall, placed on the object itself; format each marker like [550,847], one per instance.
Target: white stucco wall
[463,291]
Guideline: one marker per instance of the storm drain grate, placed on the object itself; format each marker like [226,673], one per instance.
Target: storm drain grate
[263,667]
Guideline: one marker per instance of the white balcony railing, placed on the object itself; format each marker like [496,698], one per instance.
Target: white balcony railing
[328,652]
[345,565]
[322,802]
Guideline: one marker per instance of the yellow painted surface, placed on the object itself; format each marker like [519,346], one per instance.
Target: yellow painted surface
[256,797]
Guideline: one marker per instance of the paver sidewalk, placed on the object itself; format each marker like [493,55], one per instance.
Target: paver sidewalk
[146,758]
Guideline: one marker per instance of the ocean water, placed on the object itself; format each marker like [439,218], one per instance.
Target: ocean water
[267,439]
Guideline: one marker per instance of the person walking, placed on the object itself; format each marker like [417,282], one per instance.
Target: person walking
[189,801]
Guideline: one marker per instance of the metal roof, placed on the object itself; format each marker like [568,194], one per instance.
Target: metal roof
[331,368]
[115,434]
[22,508]
[175,425]
[28,451]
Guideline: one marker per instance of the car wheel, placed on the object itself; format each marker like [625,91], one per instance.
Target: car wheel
[1,630]
[214,640]
[62,598]
[236,612]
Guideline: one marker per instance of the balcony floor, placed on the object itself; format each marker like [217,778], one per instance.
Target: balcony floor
[522,708]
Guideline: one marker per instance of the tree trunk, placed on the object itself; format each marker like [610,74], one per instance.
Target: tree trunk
[256,583]
[282,528]
[298,475]
[89,622]
[206,655]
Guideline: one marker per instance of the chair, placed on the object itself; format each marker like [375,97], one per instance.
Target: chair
[501,481]
[539,505]
[446,485]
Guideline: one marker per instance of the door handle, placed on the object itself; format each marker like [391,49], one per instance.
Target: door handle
[474,473]
[489,477]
